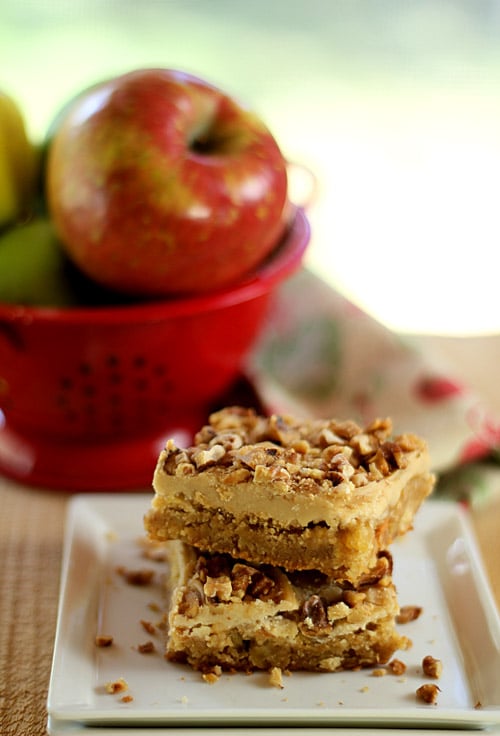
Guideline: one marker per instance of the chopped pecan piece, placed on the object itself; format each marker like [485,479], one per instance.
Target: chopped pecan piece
[202,458]
[219,588]
[148,626]
[314,613]
[432,667]
[193,599]
[117,686]
[147,648]
[140,577]
[408,613]
[428,693]
[103,640]
[397,667]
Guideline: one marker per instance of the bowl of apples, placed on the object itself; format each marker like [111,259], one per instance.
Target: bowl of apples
[166,231]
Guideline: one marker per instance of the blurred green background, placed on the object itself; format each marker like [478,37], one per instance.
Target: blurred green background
[394,105]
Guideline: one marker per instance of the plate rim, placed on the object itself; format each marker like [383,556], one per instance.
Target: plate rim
[414,716]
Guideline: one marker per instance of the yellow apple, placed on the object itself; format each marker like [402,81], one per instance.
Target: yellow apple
[19,161]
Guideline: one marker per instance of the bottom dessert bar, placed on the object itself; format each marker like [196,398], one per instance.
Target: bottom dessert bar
[227,613]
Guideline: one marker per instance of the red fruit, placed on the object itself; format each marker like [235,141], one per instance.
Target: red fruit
[159,183]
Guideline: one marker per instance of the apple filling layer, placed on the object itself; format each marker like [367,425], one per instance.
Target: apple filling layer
[324,495]
[228,613]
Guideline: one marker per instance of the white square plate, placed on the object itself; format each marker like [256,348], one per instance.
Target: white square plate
[436,566]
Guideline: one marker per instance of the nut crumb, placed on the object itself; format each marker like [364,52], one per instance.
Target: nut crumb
[126,699]
[432,667]
[117,686]
[213,675]
[155,607]
[275,677]
[148,626]
[397,667]
[364,689]
[428,693]
[146,648]
[379,672]
[140,577]
[408,613]
[478,705]
[103,640]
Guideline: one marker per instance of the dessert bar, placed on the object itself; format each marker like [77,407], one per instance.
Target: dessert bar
[227,613]
[315,494]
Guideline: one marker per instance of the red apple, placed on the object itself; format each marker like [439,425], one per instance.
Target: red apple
[159,183]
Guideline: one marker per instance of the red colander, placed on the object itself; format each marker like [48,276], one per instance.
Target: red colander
[88,396]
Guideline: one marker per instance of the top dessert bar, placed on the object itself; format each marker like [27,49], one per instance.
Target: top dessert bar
[300,494]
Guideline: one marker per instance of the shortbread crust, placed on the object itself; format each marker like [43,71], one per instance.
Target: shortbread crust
[314,494]
[229,614]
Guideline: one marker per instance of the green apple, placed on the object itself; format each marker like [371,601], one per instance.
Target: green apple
[19,164]
[33,266]
[35,271]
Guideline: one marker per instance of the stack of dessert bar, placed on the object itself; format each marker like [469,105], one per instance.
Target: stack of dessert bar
[278,533]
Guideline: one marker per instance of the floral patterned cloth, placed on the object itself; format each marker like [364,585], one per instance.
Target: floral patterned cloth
[321,356]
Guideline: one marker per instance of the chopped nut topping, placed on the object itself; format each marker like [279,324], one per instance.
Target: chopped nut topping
[227,440]
[428,693]
[314,613]
[220,588]
[222,579]
[313,454]
[203,458]
[193,599]
[432,667]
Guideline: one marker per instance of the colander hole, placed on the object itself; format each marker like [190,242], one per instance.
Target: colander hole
[117,421]
[141,384]
[61,400]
